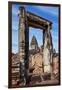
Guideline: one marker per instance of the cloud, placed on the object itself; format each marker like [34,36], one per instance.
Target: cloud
[14,48]
[49,9]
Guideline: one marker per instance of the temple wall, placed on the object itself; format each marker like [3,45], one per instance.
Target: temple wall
[35,63]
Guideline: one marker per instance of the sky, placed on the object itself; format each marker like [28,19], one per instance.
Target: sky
[47,12]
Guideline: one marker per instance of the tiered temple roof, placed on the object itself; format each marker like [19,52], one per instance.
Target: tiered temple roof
[34,41]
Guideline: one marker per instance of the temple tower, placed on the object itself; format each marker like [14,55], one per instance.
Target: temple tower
[34,43]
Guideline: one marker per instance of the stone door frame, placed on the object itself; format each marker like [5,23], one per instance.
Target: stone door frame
[27,19]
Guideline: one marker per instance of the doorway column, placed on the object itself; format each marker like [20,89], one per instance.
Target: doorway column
[22,29]
[47,51]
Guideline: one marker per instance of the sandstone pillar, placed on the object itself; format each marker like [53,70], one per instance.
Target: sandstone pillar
[22,28]
[47,51]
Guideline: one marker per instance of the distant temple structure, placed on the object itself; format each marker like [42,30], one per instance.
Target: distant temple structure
[34,43]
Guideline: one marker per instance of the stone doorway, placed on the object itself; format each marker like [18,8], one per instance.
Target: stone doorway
[27,19]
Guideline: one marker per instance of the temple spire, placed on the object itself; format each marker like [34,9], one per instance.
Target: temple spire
[34,43]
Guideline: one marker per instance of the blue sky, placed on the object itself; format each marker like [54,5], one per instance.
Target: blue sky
[47,12]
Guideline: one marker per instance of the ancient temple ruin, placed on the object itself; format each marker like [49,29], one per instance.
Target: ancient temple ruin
[37,65]
[27,19]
